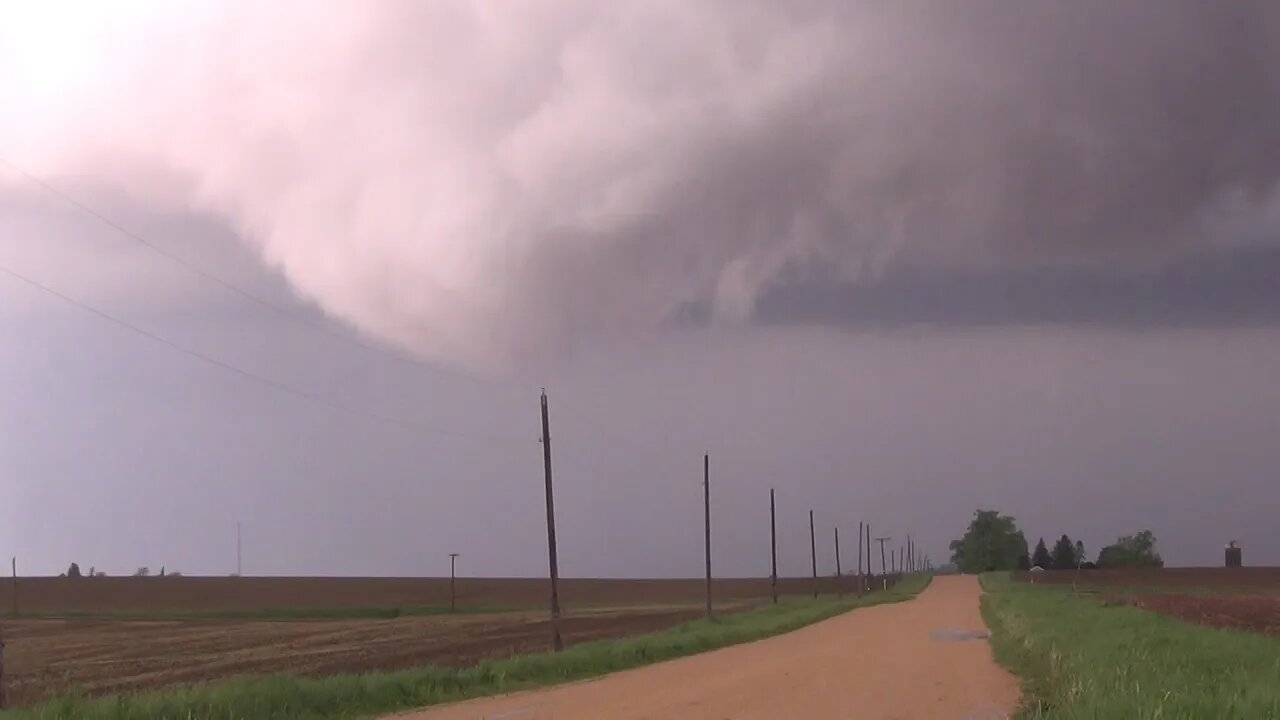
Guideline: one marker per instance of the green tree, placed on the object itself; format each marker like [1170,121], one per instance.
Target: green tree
[1041,557]
[1064,554]
[1131,551]
[73,571]
[992,542]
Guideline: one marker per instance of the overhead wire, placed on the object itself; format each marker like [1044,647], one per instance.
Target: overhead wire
[241,372]
[255,298]
[247,294]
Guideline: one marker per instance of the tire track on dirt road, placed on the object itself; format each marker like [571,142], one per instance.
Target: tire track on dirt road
[915,659]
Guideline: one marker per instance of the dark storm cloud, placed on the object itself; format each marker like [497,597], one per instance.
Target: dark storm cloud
[574,169]
[1208,288]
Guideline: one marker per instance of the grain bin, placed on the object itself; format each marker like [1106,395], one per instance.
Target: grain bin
[1235,556]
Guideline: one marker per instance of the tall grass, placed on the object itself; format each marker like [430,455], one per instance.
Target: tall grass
[348,696]
[1082,657]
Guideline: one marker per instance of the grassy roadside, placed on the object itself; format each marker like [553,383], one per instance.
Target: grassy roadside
[1080,657]
[348,696]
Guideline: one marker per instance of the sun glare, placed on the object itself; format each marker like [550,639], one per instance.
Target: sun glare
[50,49]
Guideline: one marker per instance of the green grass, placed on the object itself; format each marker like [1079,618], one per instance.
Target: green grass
[348,696]
[355,613]
[1080,657]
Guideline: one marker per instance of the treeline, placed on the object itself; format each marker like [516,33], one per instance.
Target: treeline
[994,542]
[73,571]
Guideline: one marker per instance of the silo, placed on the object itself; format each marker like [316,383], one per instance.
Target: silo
[1234,555]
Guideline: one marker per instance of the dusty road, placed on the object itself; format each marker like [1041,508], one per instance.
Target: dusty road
[905,660]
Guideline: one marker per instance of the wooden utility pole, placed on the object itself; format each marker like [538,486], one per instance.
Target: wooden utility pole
[453,581]
[869,573]
[859,558]
[882,541]
[15,586]
[706,509]
[556,643]
[238,548]
[773,547]
[839,586]
[813,554]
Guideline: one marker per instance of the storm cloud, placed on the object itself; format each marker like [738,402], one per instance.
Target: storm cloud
[480,180]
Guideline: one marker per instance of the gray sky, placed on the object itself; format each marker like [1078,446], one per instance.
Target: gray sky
[898,260]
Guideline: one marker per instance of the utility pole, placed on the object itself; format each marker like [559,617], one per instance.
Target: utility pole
[869,573]
[453,581]
[882,541]
[813,555]
[859,559]
[556,643]
[15,586]
[839,586]
[238,548]
[706,509]
[773,547]
[909,560]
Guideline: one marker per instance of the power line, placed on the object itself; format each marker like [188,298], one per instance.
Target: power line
[246,294]
[228,367]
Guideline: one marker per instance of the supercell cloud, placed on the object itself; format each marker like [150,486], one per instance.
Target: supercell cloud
[477,179]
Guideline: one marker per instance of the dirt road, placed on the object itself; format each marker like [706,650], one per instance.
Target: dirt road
[906,660]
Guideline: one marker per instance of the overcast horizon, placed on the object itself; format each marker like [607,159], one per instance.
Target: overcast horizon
[899,261]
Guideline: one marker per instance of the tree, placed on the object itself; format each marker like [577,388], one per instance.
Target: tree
[1064,554]
[1024,562]
[992,542]
[1131,551]
[142,572]
[73,571]
[1041,557]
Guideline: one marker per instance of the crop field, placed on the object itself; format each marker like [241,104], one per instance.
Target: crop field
[95,657]
[1212,579]
[1240,598]
[108,635]
[213,596]
[1096,655]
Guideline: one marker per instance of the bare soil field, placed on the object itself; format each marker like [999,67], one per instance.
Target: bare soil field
[225,594]
[1239,598]
[1254,613]
[1254,580]
[50,657]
